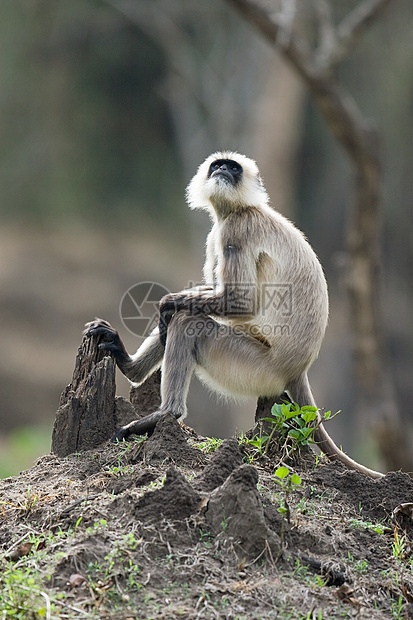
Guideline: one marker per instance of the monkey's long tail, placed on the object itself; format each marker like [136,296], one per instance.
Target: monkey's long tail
[301,393]
[327,445]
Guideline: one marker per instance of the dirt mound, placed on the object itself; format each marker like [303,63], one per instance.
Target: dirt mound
[175,500]
[158,528]
[376,499]
[228,456]
[236,512]
[167,443]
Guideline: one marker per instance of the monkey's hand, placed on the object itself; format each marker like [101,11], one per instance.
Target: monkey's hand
[109,340]
[234,301]
[194,301]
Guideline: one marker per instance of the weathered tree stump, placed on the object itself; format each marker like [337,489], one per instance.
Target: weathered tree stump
[89,412]
[86,415]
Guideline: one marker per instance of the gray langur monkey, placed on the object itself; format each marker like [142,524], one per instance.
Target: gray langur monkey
[257,325]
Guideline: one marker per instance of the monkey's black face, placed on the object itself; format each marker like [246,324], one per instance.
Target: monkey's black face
[226,169]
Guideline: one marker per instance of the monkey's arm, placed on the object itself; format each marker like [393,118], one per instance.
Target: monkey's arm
[135,367]
[235,296]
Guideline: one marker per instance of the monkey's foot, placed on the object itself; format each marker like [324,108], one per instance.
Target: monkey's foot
[139,427]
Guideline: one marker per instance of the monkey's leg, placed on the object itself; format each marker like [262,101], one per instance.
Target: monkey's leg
[228,360]
[300,392]
[171,304]
[178,365]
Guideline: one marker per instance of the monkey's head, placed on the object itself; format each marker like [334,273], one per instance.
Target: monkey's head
[227,182]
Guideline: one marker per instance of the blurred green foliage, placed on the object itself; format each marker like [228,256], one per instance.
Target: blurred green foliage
[21,447]
[85,130]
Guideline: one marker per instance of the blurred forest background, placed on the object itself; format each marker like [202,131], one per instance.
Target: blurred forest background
[106,110]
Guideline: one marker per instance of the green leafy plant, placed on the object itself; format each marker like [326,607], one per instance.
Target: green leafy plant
[156,484]
[22,594]
[397,608]
[294,422]
[288,482]
[368,525]
[399,547]
[31,500]
[300,570]
[98,526]
[23,590]
[361,566]
[258,443]
[118,470]
[225,522]
[293,426]
[210,444]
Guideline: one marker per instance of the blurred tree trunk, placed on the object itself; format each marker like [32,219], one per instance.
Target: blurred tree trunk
[278,126]
[317,67]
[197,79]
[210,101]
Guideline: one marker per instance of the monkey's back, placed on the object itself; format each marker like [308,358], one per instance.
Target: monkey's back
[300,296]
[291,304]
